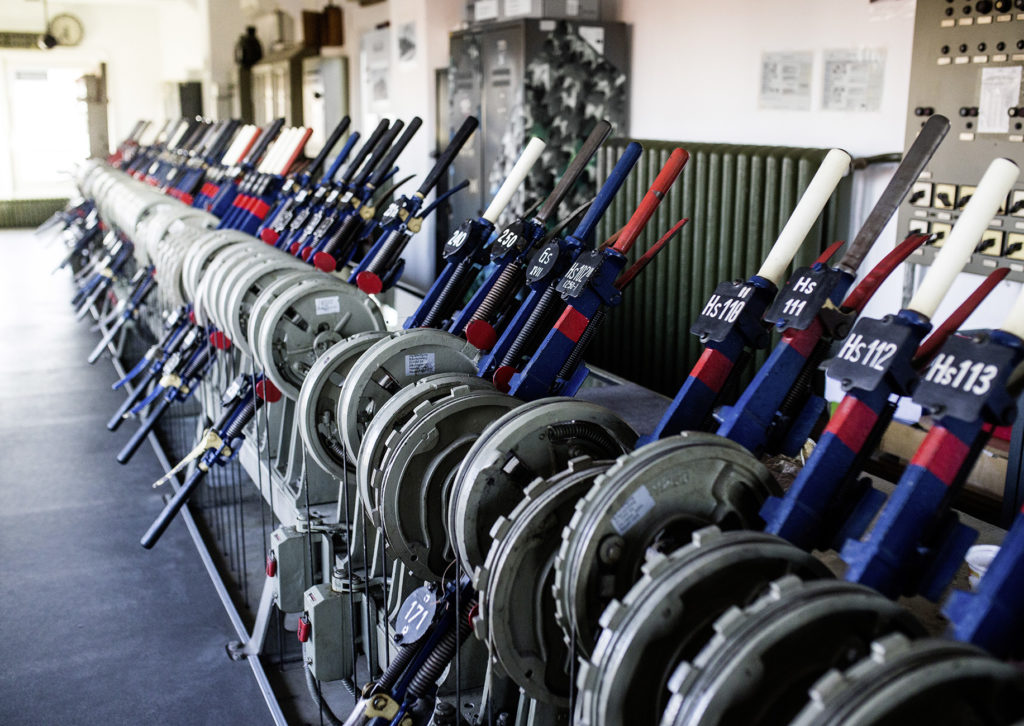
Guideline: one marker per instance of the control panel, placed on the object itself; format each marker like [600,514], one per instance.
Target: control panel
[967,65]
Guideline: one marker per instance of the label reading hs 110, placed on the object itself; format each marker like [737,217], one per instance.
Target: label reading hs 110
[722,310]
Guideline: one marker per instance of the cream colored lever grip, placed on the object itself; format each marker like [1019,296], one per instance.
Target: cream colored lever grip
[833,167]
[515,177]
[999,178]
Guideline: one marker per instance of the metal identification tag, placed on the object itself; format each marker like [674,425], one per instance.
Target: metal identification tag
[511,239]
[964,377]
[868,353]
[458,238]
[415,616]
[542,263]
[722,310]
[804,295]
[582,270]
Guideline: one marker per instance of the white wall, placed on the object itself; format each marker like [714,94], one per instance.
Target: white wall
[696,70]
[115,33]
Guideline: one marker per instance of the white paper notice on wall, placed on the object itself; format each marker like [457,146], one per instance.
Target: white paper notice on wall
[1000,89]
[594,35]
[517,7]
[853,80]
[485,10]
[786,80]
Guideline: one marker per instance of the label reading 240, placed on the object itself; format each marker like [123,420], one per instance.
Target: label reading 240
[721,310]
[575,280]
[868,353]
[458,238]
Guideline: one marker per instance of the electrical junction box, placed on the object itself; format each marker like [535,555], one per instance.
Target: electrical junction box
[328,650]
[294,570]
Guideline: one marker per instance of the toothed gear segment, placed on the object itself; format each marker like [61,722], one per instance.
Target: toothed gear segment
[390,365]
[761,661]
[395,412]
[515,584]
[654,497]
[318,401]
[419,465]
[537,439]
[922,681]
[667,617]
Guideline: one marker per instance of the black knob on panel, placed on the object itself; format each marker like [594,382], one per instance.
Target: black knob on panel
[983,6]
[924,111]
[963,47]
[964,111]
[1003,5]
[1019,4]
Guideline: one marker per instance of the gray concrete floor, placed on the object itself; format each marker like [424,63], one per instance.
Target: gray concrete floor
[95,630]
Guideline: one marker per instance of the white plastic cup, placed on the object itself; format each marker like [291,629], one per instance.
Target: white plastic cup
[978,558]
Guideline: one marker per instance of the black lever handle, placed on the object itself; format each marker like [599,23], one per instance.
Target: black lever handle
[125,454]
[572,172]
[384,167]
[364,151]
[320,158]
[448,155]
[170,511]
[378,154]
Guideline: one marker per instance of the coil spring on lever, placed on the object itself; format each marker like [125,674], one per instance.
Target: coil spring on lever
[498,294]
[198,363]
[453,284]
[380,263]
[581,345]
[438,660]
[243,418]
[539,314]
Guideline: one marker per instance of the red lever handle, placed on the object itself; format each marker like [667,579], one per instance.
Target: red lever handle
[668,174]
[871,282]
[927,350]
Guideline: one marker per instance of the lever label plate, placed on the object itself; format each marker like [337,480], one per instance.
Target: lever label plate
[720,313]
[804,295]
[575,280]
[965,375]
[868,353]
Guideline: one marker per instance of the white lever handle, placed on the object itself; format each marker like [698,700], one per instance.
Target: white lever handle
[833,167]
[999,178]
[515,177]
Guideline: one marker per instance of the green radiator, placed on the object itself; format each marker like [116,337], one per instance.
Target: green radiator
[737,199]
[27,212]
